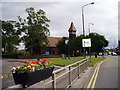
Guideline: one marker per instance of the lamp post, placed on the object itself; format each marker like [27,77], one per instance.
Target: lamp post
[83,16]
[89,27]
[66,42]
[83,21]
[89,34]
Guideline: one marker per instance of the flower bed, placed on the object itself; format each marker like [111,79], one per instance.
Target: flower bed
[32,71]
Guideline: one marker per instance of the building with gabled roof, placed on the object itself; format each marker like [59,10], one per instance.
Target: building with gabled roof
[53,41]
[51,47]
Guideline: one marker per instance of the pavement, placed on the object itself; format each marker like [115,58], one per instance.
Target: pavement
[83,80]
[107,75]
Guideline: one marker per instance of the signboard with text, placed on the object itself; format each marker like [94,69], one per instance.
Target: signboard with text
[86,42]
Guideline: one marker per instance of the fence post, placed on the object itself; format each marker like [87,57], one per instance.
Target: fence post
[88,62]
[54,81]
[78,69]
[69,76]
[85,65]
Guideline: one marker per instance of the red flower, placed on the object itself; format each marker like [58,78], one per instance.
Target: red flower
[24,61]
[28,60]
[38,62]
[33,62]
[44,59]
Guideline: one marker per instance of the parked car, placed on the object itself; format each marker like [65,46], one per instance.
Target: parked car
[100,54]
[109,53]
[114,54]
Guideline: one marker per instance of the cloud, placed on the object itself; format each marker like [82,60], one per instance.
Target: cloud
[104,15]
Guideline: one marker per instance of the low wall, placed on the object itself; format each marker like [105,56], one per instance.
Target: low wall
[35,57]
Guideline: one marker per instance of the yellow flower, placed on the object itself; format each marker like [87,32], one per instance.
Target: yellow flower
[25,67]
[50,62]
[6,76]
[46,64]
[29,67]
[32,65]
[2,77]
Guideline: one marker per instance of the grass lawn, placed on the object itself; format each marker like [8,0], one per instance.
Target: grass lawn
[62,62]
[95,60]
[59,61]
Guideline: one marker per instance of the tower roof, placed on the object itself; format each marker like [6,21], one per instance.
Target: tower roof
[72,27]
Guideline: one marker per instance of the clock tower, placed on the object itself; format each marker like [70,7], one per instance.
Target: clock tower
[72,31]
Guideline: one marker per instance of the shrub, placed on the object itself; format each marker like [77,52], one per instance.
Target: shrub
[11,55]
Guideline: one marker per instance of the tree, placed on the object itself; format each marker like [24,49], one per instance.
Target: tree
[98,42]
[36,29]
[10,38]
[75,45]
[62,47]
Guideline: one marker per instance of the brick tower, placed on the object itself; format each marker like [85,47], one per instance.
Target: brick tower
[72,31]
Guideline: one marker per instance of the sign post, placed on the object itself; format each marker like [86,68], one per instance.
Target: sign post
[103,48]
[86,43]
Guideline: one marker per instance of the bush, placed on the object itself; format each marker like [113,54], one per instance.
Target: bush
[11,55]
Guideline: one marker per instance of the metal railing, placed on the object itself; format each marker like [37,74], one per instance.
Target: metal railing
[69,74]
[78,68]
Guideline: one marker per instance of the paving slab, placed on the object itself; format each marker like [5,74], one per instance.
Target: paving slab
[83,80]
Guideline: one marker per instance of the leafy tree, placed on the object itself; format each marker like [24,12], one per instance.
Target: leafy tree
[75,45]
[10,38]
[98,42]
[62,47]
[36,29]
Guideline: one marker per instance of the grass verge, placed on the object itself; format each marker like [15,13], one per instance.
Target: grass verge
[61,62]
[95,60]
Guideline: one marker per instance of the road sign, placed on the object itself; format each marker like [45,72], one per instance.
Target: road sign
[103,48]
[86,42]
[47,53]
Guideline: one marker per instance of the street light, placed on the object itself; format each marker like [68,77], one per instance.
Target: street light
[89,36]
[66,42]
[89,27]
[83,16]
[83,21]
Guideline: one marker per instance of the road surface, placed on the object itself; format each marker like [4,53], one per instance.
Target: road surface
[108,74]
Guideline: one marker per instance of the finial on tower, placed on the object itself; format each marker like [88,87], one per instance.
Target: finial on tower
[72,27]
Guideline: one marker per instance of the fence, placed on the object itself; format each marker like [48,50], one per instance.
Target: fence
[69,74]
[72,72]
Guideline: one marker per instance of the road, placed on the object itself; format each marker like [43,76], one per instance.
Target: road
[7,79]
[108,74]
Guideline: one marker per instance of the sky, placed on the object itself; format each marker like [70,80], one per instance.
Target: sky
[103,14]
